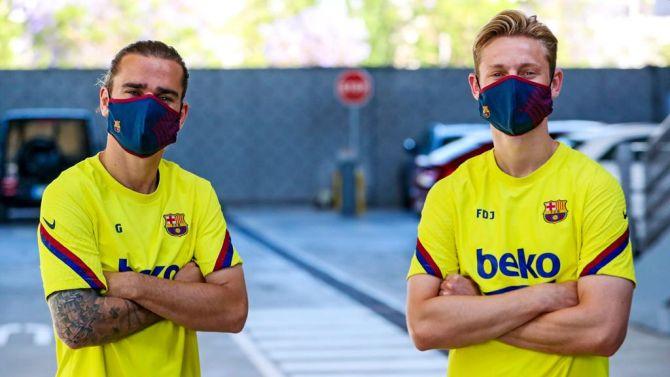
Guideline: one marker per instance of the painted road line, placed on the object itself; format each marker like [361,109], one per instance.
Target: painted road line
[264,365]
[381,303]
[298,333]
[350,354]
[42,334]
[325,343]
[369,374]
[388,351]
[362,366]
[302,340]
[7,330]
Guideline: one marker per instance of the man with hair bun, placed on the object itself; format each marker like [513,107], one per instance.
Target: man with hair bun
[134,251]
[523,263]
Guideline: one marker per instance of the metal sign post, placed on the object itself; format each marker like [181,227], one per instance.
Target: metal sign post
[354,130]
[354,89]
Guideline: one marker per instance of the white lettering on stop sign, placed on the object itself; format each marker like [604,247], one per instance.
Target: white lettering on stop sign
[354,87]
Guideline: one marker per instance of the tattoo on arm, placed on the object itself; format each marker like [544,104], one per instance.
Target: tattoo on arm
[84,318]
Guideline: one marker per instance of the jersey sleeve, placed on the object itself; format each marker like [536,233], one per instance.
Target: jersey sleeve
[214,248]
[606,246]
[435,252]
[68,251]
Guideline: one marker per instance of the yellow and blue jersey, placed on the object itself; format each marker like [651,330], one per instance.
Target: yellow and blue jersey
[565,220]
[90,223]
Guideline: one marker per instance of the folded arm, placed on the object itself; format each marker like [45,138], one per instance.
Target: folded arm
[453,321]
[82,317]
[217,304]
[596,326]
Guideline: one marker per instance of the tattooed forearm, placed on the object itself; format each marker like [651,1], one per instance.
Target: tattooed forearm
[84,318]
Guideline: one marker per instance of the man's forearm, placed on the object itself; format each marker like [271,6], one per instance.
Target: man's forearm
[567,332]
[84,318]
[597,326]
[195,305]
[458,321]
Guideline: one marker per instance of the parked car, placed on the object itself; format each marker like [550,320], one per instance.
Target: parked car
[436,136]
[441,162]
[36,145]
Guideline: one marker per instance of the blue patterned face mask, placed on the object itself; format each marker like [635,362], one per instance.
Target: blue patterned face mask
[142,125]
[515,105]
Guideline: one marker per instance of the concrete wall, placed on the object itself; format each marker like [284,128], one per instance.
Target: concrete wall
[273,135]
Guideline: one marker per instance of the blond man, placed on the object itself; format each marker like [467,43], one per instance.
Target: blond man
[523,264]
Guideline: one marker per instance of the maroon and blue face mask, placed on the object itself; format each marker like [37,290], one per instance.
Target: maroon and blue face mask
[142,125]
[515,105]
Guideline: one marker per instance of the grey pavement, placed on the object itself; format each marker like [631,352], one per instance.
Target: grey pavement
[298,326]
[373,253]
[651,303]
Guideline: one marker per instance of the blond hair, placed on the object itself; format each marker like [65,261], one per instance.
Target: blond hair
[515,23]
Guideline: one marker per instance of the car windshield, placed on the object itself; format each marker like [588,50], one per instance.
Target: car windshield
[64,140]
[434,142]
[444,141]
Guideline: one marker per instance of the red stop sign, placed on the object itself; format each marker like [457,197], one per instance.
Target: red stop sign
[354,87]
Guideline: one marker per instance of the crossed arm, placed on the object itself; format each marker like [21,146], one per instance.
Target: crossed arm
[82,317]
[135,301]
[587,317]
[596,326]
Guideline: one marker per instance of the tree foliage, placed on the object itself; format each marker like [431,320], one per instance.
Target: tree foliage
[244,33]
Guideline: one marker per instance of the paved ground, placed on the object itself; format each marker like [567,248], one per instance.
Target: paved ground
[344,248]
[325,296]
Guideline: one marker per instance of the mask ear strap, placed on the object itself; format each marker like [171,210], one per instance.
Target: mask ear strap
[478,84]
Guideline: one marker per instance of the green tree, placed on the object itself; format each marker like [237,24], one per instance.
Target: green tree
[419,29]
[11,29]
[401,33]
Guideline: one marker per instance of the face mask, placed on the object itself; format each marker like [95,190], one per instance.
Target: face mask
[142,125]
[515,105]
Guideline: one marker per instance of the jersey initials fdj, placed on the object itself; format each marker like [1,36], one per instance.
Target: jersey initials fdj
[565,220]
[90,223]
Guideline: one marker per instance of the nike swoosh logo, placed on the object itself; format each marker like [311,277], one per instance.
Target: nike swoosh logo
[51,225]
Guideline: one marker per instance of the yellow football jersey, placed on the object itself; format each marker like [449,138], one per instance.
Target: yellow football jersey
[90,223]
[565,220]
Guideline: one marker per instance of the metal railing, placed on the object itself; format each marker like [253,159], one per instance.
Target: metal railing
[657,186]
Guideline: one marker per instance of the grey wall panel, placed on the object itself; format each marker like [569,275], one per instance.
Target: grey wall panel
[273,135]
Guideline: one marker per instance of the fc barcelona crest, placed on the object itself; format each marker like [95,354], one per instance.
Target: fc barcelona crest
[555,211]
[486,111]
[175,224]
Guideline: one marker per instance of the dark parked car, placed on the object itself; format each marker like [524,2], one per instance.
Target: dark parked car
[36,145]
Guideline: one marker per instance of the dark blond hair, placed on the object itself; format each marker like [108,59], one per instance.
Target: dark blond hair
[155,49]
[515,23]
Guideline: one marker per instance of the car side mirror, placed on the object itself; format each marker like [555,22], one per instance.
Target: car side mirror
[409,145]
